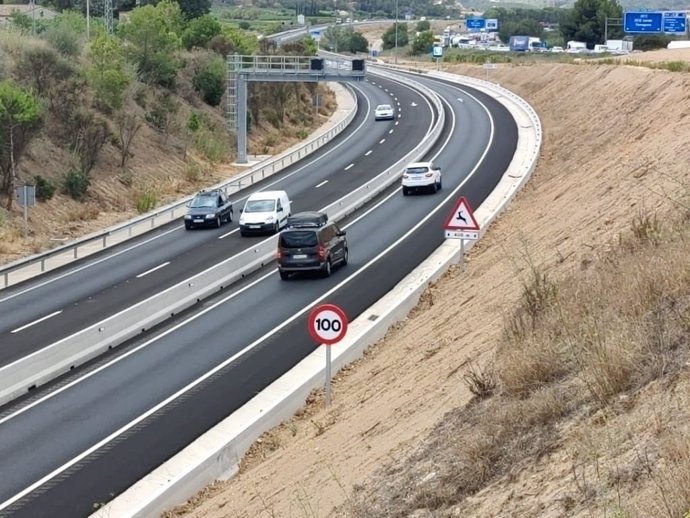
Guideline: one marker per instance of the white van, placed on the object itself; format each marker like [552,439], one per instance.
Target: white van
[264,211]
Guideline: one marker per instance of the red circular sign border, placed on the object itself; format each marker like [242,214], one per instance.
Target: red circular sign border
[311,323]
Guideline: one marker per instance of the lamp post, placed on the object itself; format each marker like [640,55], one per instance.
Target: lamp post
[396,32]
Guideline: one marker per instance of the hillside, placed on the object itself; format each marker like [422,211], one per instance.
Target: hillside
[569,324]
[116,138]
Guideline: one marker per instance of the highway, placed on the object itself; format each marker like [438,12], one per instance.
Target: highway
[91,435]
[38,313]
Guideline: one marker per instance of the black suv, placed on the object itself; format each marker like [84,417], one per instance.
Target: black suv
[208,208]
[311,243]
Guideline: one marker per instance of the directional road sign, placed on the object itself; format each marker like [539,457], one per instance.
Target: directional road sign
[475,24]
[642,22]
[675,22]
[437,51]
[492,24]
[327,324]
[461,223]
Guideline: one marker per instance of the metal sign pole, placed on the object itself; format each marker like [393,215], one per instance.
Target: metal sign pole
[328,376]
[26,210]
[462,255]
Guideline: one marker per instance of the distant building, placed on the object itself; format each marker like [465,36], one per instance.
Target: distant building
[30,10]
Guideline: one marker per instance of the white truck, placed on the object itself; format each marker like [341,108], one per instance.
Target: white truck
[576,47]
[619,46]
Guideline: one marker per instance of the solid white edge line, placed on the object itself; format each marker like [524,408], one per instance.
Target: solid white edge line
[144,274]
[321,184]
[38,321]
[220,366]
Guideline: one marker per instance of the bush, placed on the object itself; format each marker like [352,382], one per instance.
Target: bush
[76,184]
[63,39]
[244,25]
[45,189]
[146,201]
[209,81]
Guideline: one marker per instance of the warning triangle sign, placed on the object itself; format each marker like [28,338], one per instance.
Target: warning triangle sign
[462,217]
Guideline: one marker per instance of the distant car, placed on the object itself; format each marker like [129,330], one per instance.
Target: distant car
[311,249]
[384,112]
[557,50]
[208,208]
[421,176]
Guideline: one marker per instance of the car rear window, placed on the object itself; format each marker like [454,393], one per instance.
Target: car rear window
[298,239]
[417,170]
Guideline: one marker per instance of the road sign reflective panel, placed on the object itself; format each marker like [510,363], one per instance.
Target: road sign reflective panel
[492,24]
[675,22]
[327,324]
[437,51]
[475,23]
[461,217]
[642,22]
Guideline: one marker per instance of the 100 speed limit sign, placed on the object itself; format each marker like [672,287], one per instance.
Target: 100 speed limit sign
[327,324]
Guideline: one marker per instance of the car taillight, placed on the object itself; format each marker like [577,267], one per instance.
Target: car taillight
[428,175]
[322,252]
[279,254]
[406,176]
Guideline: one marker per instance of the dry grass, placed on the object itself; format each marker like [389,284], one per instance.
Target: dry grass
[570,351]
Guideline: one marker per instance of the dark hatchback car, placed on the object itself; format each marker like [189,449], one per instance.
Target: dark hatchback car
[311,247]
[208,208]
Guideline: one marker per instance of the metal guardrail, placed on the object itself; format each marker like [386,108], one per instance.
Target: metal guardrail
[60,357]
[10,274]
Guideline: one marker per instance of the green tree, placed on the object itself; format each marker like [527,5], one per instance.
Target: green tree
[194,8]
[108,74]
[209,80]
[423,43]
[423,25]
[587,21]
[20,117]
[389,36]
[152,35]
[200,31]
[358,43]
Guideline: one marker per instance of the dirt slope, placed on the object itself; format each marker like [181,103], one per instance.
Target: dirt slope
[616,139]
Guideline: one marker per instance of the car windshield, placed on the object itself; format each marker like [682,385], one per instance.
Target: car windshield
[298,239]
[384,107]
[203,202]
[417,170]
[260,206]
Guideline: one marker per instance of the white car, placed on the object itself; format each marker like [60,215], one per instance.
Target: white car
[421,176]
[557,50]
[384,112]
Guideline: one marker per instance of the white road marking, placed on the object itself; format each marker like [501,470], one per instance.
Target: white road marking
[144,274]
[460,99]
[36,322]
[397,122]
[382,141]
[368,152]
[399,115]
[390,131]
[228,234]
[322,183]
[349,167]
[413,104]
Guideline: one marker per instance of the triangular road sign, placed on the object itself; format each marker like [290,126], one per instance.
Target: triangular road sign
[462,217]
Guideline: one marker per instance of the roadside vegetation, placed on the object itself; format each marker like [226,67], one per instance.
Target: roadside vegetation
[120,123]
[596,364]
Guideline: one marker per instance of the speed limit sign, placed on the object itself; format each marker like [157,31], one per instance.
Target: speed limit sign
[327,324]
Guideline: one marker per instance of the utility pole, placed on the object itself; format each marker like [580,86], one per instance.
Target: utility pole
[396,32]
[88,21]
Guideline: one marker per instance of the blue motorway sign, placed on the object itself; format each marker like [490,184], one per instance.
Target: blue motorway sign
[675,22]
[642,22]
[475,24]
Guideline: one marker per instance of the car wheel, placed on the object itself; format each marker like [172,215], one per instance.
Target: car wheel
[188,226]
[440,184]
[284,275]
[276,228]
[327,268]
[405,191]
[434,187]
[218,222]
[229,218]
[345,257]
[243,233]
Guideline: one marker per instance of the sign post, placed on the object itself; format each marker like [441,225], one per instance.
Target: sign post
[327,325]
[25,196]
[461,224]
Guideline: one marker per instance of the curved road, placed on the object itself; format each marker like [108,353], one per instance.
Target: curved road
[97,433]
